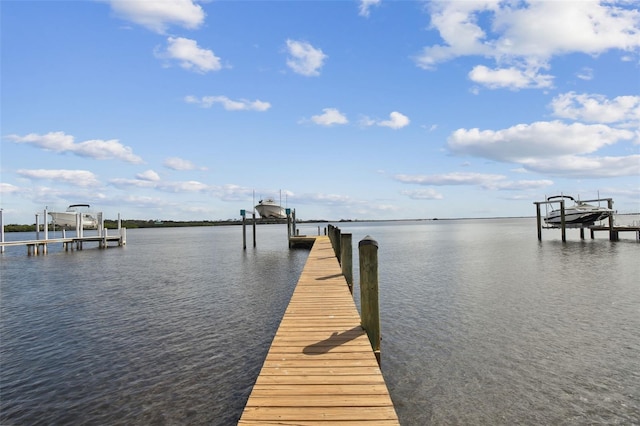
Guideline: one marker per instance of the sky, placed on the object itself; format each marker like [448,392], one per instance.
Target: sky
[345,109]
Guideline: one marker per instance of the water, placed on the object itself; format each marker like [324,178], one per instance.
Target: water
[481,324]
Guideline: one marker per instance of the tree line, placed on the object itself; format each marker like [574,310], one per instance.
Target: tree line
[132,223]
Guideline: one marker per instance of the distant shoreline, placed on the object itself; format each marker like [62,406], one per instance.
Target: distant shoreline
[133,224]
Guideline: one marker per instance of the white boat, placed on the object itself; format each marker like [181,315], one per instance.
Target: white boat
[68,218]
[579,215]
[268,208]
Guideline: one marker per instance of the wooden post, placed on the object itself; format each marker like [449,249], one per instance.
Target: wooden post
[613,236]
[244,229]
[539,221]
[562,224]
[1,230]
[336,242]
[368,250]
[46,232]
[78,226]
[102,232]
[581,233]
[46,228]
[346,260]
[289,229]
[122,232]
[293,213]
[254,228]
[37,226]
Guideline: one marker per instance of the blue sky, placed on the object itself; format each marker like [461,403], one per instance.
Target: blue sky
[187,110]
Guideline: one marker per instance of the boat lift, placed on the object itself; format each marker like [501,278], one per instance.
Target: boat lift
[613,235]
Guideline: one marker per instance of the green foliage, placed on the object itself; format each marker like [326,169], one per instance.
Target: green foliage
[131,224]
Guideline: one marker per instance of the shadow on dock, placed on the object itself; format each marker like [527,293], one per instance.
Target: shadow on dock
[335,340]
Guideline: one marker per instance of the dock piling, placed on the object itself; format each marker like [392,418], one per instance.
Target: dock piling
[253,215]
[563,224]
[368,251]
[346,259]
[244,229]
[1,230]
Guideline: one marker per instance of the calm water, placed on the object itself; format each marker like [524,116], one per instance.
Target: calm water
[481,324]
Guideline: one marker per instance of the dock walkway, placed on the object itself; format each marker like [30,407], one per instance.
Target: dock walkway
[320,368]
[35,246]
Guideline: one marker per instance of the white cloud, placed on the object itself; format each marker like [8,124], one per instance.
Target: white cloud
[148,202]
[97,149]
[105,150]
[457,178]
[586,167]
[157,15]
[52,141]
[176,163]
[552,148]
[486,181]
[519,185]
[537,140]
[366,121]
[423,194]
[366,5]
[187,186]
[173,187]
[585,73]
[331,199]
[304,58]
[329,117]
[228,104]
[139,182]
[457,24]
[396,121]
[189,55]
[511,78]
[82,178]
[543,29]
[231,192]
[522,37]
[597,108]
[7,188]
[148,175]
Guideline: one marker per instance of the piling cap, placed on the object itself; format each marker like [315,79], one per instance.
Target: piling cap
[368,241]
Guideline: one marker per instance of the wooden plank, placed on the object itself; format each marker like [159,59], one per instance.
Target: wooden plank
[301,414]
[328,399]
[317,422]
[318,380]
[345,389]
[320,368]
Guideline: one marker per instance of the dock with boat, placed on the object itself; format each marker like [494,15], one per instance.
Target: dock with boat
[40,245]
[581,215]
[323,365]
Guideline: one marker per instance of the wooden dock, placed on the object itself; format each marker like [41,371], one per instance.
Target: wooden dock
[614,231]
[35,247]
[320,368]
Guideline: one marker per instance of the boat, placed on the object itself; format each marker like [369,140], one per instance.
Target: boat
[68,218]
[268,208]
[579,215]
